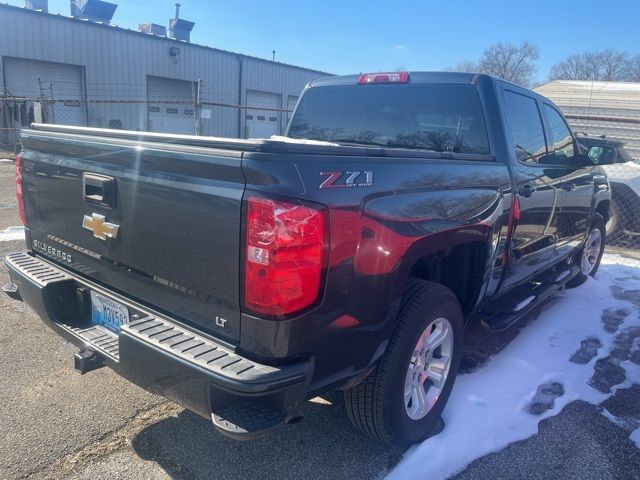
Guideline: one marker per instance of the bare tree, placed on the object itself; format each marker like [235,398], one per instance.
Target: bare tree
[511,62]
[608,65]
[573,67]
[633,72]
[614,65]
[468,66]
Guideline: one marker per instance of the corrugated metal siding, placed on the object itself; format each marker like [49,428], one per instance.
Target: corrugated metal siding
[599,108]
[68,81]
[263,77]
[117,62]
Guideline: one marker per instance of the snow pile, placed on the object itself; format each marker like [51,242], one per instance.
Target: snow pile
[533,377]
[12,233]
[302,141]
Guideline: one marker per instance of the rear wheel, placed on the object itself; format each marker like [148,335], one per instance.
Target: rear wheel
[613,226]
[590,255]
[400,403]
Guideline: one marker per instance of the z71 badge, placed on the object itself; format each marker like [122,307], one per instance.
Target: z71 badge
[347,179]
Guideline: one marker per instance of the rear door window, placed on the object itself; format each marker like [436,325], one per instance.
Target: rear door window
[439,118]
[561,137]
[527,133]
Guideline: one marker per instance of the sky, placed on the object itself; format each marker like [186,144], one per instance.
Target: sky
[351,36]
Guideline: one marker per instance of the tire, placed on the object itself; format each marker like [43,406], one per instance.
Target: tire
[597,225]
[377,406]
[613,224]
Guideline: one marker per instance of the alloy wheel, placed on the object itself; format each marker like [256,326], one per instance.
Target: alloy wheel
[591,251]
[428,368]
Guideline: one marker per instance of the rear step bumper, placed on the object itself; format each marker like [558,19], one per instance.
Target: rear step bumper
[243,398]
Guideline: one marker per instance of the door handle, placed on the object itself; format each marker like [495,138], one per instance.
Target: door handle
[99,189]
[568,186]
[600,181]
[526,190]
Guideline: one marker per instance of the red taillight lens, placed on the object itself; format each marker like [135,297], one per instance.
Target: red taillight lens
[19,196]
[285,256]
[396,77]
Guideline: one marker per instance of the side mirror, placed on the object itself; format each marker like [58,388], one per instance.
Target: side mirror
[602,154]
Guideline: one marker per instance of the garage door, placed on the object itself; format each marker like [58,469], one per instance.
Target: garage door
[261,123]
[291,104]
[171,105]
[59,82]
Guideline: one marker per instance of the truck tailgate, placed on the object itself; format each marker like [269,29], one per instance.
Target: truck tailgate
[178,212]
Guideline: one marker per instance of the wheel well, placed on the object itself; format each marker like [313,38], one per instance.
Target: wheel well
[460,268]
[603,209]
[627,200]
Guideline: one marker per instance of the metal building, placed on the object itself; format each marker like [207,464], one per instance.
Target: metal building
[599,108]
[82,70]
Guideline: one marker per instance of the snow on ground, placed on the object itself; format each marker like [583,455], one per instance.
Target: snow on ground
[302,141]
[582,346]
[12,233]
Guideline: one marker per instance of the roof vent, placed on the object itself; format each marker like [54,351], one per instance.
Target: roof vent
[94,10]
[153,29]
[180,29]
[40,5]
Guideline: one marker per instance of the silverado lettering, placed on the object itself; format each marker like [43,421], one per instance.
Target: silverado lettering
[51,251]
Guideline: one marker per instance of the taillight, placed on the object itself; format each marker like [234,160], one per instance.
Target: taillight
[19,196]
[285,256]
[515,216]
[395,77]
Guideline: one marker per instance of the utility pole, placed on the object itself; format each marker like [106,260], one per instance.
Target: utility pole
[197,111]
[42,116]
[53,106]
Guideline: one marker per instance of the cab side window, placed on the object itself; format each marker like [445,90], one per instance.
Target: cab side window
[526,127]
[561,138]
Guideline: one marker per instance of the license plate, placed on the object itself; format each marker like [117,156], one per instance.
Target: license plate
[105,311]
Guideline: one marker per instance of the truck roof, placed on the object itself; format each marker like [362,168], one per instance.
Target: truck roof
[449,78]
[416,77]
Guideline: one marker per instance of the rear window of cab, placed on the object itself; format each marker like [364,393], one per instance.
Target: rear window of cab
[438,118]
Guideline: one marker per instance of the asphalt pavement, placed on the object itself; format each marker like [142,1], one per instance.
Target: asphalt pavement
[55,423]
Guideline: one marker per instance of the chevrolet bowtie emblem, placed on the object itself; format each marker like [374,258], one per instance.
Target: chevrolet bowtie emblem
[101,229]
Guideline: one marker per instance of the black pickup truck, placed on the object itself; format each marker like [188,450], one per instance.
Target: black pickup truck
[240,278]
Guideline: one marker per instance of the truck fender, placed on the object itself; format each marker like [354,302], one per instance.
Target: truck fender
[397,230]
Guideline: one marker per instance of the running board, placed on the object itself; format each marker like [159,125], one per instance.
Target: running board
[515,304]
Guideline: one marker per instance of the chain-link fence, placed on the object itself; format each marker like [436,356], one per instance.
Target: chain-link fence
[617,126]
[131,109]
[623,228]
[620,124]
[608,113]
[191,111]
